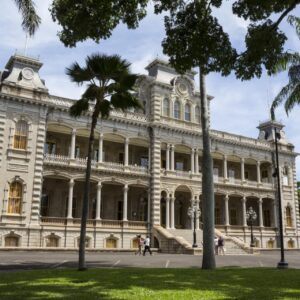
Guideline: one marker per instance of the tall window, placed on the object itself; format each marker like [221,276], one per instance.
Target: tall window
[197,114]
[44,205]
[50,148]
[285,172]
[15,198]
[288,215]
[187,112]
[166,107]
[267,218]
[177,110]
[21,135]
[233,216]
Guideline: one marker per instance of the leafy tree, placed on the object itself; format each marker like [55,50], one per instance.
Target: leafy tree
[194,38]
[264,40]
[95,19]
[291,92]
[31,20]
[110,84]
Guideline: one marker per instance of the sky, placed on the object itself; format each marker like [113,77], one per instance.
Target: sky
[238,107]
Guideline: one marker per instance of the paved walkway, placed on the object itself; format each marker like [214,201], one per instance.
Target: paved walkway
[28,260]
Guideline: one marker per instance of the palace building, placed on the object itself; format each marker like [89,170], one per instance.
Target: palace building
[146,170]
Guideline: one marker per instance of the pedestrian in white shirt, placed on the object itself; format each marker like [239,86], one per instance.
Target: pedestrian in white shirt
[147,246]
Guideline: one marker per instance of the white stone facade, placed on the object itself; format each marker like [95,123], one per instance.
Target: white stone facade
[145,172]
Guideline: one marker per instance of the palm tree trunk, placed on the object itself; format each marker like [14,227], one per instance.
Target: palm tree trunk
[208,205]
[86,195]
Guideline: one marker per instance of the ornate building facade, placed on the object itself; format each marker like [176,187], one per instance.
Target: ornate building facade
[146,170]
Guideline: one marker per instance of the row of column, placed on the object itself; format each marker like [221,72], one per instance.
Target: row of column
[100,148]
[170,159]
[170,163]
[244,221]
[225,171]
[170,213]
[98,201]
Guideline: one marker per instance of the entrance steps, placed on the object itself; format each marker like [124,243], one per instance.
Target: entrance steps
[181,240]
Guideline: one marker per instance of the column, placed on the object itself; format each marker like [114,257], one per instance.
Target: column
[193,161]
[125,196]
[70,199]
[100,148]
[242,169]
[172,225]
[227,210]
[198,215]
[244,200]
[149,206]
[172,158]
[260,212]
[258,172]
[98,204]
[225,175]
[126,150]
[275,213]
[73,143]
[149,157]
[196,162]
[168,158]
[167,213]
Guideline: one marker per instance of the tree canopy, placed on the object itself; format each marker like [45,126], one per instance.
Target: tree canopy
[264,40]
[95,19]
[195,38]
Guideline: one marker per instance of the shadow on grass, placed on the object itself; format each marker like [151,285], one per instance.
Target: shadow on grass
[154,284]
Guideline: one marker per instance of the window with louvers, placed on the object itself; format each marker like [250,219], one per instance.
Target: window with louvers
[21,135]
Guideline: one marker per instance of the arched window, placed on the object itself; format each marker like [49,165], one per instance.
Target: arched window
[111,243]
[166,107]
[21,135]
[270,244]
[11,241]
[52,241]
[187,112]
[197,114]
[135,243]
[15,198]
[177,110]
[291,244]
[288,215]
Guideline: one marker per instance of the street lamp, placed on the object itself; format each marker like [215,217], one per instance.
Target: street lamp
[251,217]
[194,213]
[282,264]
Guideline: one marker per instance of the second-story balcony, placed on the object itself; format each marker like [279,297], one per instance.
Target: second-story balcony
[112,152]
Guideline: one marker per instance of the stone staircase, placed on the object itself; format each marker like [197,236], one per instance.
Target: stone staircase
[181,240]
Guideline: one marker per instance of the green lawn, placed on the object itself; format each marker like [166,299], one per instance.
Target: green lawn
[154,284]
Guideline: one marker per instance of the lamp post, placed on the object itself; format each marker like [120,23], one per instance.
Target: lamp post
[251,216]
[194,213]
[282,264]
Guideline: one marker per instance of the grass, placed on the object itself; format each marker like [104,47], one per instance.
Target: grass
[154,284]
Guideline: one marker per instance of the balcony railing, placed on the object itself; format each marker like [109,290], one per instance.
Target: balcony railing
[94,223]
[54,159]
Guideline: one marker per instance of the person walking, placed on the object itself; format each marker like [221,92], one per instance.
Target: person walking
[140,245]
[221,245]
[216,240]
[147,246]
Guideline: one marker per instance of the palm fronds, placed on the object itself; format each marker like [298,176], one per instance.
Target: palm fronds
[31,20]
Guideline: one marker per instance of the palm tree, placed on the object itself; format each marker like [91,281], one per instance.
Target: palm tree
[291,61]
[31,20]
[109,86]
